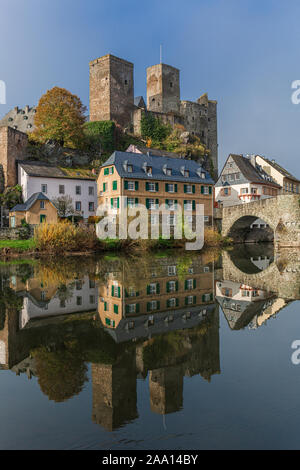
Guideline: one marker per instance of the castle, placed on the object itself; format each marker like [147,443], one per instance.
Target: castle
[112,98]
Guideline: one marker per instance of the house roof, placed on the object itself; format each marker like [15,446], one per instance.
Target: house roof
[29,203]
[46,170]
[251,173]
[279,168]
[139,163]
[139,102]
[156,152]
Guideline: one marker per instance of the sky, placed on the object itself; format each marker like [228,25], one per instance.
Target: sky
[243,53]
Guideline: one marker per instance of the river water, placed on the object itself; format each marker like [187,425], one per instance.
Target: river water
[164,351]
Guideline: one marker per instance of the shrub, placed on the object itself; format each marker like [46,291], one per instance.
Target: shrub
[93,219]
[152,128]
[100,136]
[63,237]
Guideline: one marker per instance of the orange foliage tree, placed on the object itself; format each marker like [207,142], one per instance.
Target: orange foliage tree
[60,116]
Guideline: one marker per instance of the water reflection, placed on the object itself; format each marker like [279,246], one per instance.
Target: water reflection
[155,317]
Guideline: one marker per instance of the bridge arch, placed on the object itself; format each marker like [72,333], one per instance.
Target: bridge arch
[239,228]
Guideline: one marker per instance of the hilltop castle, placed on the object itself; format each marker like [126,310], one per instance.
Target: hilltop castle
[112,98]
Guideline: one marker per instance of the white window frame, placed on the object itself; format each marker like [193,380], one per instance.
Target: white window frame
[131,186]
[172,270]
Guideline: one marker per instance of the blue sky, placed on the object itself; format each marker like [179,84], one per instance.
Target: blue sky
[244,53]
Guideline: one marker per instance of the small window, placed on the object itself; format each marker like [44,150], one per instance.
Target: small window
[44,188]
[42,204]
[61,189]
[91,190]
[171,84]
[78,205]
[91,206]
[78,190]
[126,82]
[78,300]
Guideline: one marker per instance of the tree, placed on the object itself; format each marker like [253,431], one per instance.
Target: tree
[64,206]
[60,116]
[11,197]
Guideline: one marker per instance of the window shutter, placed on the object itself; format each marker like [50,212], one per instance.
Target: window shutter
[156,187]
[112,202]
[136,201]
[193,189]
[168,287]
[175,188]
[177,301]
[157,203]
[202,189]
[185,285]
[112,170]
[210,189]
[184,188]
[119,292]
[137,293]
[118,205]
[166,187]
[115,185]
[167,203]
[211,296]
[194,299]
[136,185]
[126,293]
[184,203]
[112,291]
[158,305]
[104,187]
[194,283]
[127,308]
[157,288]
[137,308]
[194,204]
[147,186]
[168,303]
[176,284]
[148,306]
[203,298]
[105,306]
[176,202]
[147,203]
[125,184]
[106,171]
[148,289]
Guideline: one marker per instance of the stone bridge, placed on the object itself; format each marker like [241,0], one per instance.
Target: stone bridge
[281,277]
[281,213]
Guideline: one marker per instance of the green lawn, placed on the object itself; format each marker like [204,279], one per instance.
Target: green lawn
[18,245]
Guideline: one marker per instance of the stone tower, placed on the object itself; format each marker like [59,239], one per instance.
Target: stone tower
[163,89]
[12,148]
[111,90]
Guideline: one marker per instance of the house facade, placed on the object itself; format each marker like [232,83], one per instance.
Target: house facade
[289,184]
[36,210]
[156,182]
[241,181]
[55,182]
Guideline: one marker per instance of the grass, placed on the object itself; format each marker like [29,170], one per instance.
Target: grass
[18,245]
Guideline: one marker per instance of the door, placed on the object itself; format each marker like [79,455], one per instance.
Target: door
[42,218]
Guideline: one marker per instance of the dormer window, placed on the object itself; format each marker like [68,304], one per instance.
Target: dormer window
[129,168]
[169,171]
[186,173]
[203,176]
[149,170]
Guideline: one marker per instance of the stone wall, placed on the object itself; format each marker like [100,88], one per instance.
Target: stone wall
[163,89]
[15,233]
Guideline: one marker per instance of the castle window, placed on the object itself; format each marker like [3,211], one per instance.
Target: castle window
[193,118]
[25,118]
[171,84]
[29,126]
[126,82]
[10,119]
[153,99]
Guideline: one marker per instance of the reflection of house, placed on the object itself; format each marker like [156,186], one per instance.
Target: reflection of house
[241,181]
[37,209]
[244,305]
[40,300]
[161,299]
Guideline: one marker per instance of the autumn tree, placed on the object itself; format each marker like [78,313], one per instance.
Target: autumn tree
[59,116]
[64,206]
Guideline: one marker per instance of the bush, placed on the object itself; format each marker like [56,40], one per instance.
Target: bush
[152,128]
[100,136]
[63,237]
[93,219]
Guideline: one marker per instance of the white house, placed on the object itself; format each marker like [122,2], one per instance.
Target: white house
[55,182]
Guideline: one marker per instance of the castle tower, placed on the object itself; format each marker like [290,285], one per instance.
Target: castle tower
[166,389]
[12,148]
[111,90]
[163,89]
